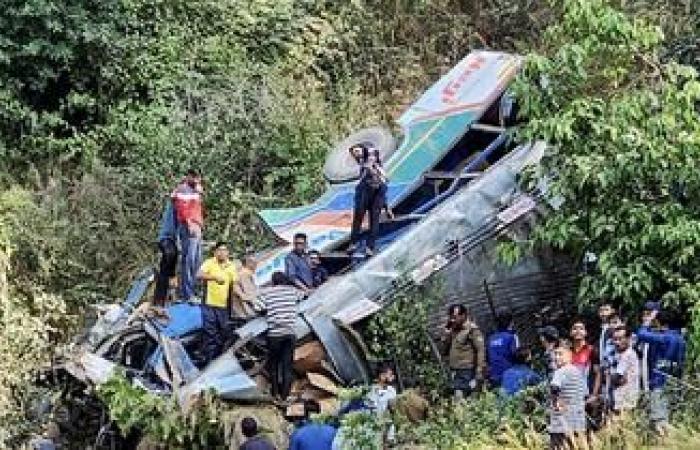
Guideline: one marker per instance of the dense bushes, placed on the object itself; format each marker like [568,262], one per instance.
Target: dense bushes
[624,132]
[104,104]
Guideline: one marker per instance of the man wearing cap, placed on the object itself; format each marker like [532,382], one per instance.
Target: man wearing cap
[665,357]
[466,351]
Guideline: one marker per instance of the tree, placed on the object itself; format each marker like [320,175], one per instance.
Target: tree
[625,152]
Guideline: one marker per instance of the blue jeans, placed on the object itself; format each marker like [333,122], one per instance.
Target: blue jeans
[191,260]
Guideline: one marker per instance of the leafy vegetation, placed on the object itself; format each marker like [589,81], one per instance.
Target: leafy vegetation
[400,334]
[134,409]
[105,104]
[624,131]
[31,321]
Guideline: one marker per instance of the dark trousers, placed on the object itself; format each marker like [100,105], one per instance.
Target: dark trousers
[561,441]
[370,200]
[279,364]
[168,265]
[215,327]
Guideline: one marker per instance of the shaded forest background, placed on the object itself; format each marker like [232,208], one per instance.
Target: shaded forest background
[104,104]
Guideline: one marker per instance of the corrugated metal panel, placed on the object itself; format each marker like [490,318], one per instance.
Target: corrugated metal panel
[525,295]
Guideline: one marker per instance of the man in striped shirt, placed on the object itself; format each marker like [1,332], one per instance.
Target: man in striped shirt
[280,301]
[567,415]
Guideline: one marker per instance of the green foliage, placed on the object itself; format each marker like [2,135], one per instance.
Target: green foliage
[160,418]
[400,333]
[104,104]
[32,320]
[484,420]
[624,133]
[363,430]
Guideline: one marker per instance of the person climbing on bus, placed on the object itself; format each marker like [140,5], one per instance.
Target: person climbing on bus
[280,302]
[319,273]
[296,264]
[168,246]
[187,201]
[219,274]
[370,196]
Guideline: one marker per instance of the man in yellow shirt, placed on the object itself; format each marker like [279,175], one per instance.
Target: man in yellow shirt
[218,274]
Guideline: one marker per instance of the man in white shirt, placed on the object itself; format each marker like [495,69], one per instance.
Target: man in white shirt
[382,394]
[624,373]
[379,400]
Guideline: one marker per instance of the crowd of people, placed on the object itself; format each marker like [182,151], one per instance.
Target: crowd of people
[310,434]
[229,288]
[591,381]
[229,292]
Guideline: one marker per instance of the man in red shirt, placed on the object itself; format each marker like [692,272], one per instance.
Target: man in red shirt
[586,358]
[187,200]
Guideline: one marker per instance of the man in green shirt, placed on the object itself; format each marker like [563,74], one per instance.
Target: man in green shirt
[467,352]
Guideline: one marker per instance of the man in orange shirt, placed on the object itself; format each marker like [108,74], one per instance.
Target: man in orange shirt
[187,201]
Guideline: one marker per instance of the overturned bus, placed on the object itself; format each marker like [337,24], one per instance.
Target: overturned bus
[453,186]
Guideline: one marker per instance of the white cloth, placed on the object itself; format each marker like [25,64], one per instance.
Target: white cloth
[379,398]
[626,364]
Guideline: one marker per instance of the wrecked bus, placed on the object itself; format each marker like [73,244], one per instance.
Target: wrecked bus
[452,186]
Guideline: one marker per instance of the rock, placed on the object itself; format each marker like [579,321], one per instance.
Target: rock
[309,357]
[411,405]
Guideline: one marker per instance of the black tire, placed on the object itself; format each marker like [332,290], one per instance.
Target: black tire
[340,167]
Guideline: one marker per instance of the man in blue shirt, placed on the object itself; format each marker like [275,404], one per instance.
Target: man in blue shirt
[296,265]
[319,273]
[167,244]
[665,356]
[311,435]
[501,347]
[520,375]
